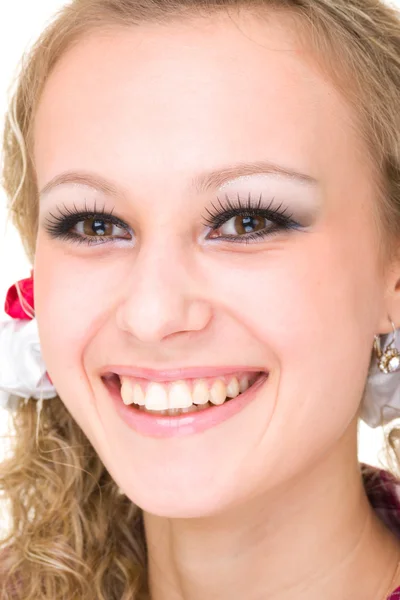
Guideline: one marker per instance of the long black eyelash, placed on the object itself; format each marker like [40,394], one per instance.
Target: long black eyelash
[61,225]
[238,208]
[67,218]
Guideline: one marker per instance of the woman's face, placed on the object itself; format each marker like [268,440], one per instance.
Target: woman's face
[148,114]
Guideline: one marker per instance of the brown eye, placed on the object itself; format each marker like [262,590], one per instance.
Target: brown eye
[245,221]
[95,227]
[248,224]
[240,225]
[87,226]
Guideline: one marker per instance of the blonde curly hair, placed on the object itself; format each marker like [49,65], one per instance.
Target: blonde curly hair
[65,507]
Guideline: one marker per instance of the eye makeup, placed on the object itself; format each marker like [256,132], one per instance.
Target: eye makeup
[245,214]
[240,214]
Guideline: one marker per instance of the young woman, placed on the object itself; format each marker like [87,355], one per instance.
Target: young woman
[209,195]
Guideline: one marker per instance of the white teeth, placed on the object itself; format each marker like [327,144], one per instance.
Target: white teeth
[138,395]
[232,390]
[156,397]
[200,393]
[127,392]
[181,395]
[244,383]
[218,392]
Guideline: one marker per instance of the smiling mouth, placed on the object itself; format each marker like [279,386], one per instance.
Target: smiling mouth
[182,396]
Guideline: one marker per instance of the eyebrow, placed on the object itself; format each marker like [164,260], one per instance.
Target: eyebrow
[201,183]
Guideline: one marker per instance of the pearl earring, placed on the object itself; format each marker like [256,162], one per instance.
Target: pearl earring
[389,358]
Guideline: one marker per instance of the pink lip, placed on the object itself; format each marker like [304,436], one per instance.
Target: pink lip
[175,374]
[187,424]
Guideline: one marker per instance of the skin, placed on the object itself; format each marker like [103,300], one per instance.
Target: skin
[228,512]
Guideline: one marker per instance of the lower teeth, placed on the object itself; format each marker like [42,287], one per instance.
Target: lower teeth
[173,412]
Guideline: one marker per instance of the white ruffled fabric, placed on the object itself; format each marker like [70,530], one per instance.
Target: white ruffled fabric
[22,369]
[23,375]
[381,402]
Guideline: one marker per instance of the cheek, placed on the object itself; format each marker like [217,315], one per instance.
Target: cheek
[70,299]
[305,302]
[289,298]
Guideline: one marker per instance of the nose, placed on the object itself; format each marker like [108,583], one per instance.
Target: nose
[161,297]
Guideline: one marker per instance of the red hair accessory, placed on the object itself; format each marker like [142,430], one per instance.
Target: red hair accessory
[23,372]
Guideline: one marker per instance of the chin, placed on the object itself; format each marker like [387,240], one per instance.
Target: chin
[178,502]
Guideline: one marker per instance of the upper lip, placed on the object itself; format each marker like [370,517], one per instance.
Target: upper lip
[179,373]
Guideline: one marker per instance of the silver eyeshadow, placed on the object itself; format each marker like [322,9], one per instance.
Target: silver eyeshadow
[202,182]
[263,177]
[299,196]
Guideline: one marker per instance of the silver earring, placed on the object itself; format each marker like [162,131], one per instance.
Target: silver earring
[389,358]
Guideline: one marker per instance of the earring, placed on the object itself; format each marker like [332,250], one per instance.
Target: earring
[389,358]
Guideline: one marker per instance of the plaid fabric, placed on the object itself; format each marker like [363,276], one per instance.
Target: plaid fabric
[383,491]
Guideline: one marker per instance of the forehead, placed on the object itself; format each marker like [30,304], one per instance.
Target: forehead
[168,99]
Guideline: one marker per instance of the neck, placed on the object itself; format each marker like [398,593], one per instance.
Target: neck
[316,537]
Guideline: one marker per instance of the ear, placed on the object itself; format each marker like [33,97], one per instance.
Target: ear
[391,302]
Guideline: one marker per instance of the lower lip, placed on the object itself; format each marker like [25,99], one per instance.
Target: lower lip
[186,424]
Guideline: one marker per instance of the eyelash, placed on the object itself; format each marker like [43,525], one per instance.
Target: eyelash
[61,225]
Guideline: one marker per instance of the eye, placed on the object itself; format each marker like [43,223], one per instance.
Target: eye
[98,227]
[240,222]
[240,225]
[91,227]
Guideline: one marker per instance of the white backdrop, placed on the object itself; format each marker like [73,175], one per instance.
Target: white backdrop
[20,22]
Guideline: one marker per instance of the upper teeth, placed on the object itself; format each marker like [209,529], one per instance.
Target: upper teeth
[184,393]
